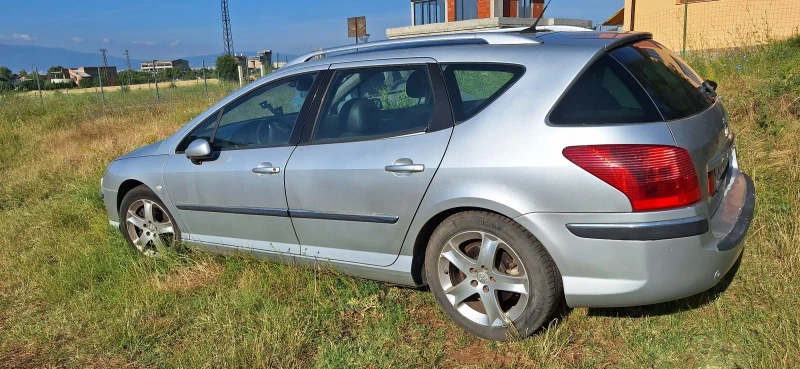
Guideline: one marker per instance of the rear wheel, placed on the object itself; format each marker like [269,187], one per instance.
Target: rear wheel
[491,276]
[146,223]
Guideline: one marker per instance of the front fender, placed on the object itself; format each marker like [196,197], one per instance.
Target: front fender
[146,170]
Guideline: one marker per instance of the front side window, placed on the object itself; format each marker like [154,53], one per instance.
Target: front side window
[466,9]
[264,117]
[473,87]
[604,94]
[376,103]
[674,87]
[428,12]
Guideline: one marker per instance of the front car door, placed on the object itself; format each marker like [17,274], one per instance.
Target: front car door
[237,198]
[355,181]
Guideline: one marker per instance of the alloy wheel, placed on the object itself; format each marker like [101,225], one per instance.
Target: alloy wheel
[149,227]
[483,278]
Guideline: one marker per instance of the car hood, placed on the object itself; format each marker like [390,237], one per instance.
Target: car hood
[149,150]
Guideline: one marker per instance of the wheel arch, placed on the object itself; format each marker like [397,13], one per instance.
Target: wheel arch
[125,187]
[426,231]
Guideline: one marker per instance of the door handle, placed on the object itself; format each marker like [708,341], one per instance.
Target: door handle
[266,168]
[405,166]
[410,168]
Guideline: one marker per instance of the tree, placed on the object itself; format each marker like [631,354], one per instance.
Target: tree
[5,74]
[22,73]
[227,68]
[55,68]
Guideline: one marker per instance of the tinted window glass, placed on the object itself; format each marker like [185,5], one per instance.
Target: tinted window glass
[203,130]
[605,93]
[674,87]
[474,86]
[263,117]
[376,102]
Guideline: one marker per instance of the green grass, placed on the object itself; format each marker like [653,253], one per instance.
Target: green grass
[72,294]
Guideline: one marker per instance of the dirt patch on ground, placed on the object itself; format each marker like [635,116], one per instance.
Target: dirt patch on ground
[189,278]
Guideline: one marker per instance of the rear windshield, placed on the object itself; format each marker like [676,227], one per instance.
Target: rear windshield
[674,87]
[605,94]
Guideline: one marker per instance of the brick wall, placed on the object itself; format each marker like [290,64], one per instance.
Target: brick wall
[451,10]
[484,9]
[537,8]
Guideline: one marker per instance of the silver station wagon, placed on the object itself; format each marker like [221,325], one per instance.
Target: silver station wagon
[506,171]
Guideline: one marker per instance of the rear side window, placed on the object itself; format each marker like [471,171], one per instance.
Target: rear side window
[605,94]
[472,87]
[674,87]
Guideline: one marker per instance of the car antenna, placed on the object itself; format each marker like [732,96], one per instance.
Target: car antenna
[532,29]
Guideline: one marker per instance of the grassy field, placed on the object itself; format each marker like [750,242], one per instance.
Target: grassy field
[147,86]
[72,294]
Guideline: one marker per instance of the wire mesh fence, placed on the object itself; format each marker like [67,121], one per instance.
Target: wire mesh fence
[709,25]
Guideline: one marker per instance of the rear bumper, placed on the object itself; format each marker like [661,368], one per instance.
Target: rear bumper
[635,261]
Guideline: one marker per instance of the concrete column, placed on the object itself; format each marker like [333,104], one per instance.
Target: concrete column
[241,75]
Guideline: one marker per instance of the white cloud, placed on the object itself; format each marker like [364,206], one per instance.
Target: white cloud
[78,40]
[175,43]
[23,37]
[146,43]
[106,41]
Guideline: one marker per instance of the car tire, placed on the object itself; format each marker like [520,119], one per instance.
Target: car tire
[147,231]
[517,292]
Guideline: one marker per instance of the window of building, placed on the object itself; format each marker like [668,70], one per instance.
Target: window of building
[428,11]
[472,87]
[466,9]
[524,9]
[376,103]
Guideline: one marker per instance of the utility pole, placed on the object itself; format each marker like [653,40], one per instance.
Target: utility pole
[38,85]
[227,35]
[128,64]
[205,83]
[155,78]
[105,72]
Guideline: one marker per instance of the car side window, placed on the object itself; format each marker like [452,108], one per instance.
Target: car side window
[605,94]
[263,117]
[375,103]
[473,87]
[204,130]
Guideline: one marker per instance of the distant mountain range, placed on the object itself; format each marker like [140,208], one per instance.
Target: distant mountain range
[17,57]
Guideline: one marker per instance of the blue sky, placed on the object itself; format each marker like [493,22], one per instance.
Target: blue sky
[176,28]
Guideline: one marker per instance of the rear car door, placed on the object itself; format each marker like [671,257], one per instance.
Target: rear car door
[237,197]
[355,182]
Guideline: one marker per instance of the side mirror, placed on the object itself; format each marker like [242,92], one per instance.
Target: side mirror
[198,151]
[711,87]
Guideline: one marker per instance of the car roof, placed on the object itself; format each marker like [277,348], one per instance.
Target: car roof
[470,46]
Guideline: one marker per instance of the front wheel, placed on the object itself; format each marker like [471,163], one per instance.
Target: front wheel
[491,276]
[146,223]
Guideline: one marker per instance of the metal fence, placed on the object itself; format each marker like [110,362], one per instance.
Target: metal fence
[696,26]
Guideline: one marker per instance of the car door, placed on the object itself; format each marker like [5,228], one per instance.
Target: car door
[357,178]
[236,197]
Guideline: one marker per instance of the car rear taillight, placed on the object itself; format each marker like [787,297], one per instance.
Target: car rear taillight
[653,177]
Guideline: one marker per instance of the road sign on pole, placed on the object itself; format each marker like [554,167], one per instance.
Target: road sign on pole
[357,27]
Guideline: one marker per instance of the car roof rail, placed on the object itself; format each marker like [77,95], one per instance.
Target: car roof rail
[486,37]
